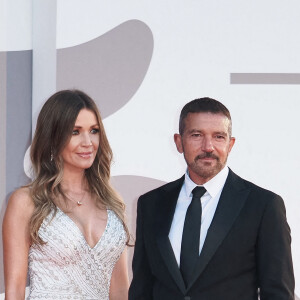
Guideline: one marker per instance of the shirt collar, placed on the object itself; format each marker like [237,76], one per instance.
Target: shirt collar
[213,186]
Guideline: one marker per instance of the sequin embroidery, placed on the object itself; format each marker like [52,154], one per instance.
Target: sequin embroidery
[66,267]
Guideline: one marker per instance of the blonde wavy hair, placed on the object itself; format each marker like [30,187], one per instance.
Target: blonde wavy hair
[53,132]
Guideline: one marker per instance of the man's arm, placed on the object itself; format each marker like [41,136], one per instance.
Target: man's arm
[274,259]
[142,282]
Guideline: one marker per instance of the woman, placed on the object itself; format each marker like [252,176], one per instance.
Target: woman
[67,227]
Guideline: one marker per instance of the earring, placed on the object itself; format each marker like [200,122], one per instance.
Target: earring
[51,157]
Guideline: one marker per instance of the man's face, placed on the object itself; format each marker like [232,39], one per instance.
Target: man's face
[205,144]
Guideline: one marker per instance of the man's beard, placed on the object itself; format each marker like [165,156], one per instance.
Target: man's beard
[206,170]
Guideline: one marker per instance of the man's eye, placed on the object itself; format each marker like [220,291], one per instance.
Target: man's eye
[220,137]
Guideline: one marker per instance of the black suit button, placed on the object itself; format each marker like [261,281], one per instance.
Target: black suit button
[187,298]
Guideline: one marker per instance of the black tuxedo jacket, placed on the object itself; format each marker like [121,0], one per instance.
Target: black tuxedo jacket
[247,247]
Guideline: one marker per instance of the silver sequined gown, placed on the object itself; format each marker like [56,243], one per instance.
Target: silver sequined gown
[66,267]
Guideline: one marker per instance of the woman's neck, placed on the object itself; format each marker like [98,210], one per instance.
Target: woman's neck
[75,182]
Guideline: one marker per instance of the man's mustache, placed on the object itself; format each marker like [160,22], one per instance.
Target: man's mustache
[206,155]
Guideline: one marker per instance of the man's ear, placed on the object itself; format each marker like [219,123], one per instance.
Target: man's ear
[178,142]
[231,143]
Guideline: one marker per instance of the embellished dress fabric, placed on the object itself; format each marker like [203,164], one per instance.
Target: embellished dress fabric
[66,267]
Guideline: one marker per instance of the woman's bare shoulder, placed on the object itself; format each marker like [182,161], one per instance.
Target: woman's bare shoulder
[21,200]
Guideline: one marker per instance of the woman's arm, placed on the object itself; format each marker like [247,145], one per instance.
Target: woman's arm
[16,243]
[119,283]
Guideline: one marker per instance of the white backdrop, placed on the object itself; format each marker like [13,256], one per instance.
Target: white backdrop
[197,46]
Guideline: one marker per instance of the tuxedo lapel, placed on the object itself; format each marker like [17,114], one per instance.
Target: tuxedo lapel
[231,201]
[165,215]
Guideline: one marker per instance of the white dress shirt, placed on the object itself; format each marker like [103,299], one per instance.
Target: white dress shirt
[209,202]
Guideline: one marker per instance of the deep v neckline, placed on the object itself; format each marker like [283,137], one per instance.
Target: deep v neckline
[81,233]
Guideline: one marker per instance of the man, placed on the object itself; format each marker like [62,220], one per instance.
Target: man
[239,249]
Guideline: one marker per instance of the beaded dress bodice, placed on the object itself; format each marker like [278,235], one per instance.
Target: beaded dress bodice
[66,267]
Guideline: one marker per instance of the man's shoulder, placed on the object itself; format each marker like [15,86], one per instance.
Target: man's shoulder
[163,189]
[253,187]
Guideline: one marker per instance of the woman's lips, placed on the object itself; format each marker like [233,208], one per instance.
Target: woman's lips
[85,154]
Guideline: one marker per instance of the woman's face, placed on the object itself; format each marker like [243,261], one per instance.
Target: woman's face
[80,152]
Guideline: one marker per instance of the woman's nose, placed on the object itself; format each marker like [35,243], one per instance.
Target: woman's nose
[86,140]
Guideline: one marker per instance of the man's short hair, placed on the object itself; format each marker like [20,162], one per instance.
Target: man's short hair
[206,105]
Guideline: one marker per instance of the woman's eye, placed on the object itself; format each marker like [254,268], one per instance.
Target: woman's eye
[95,130]
[75,132]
